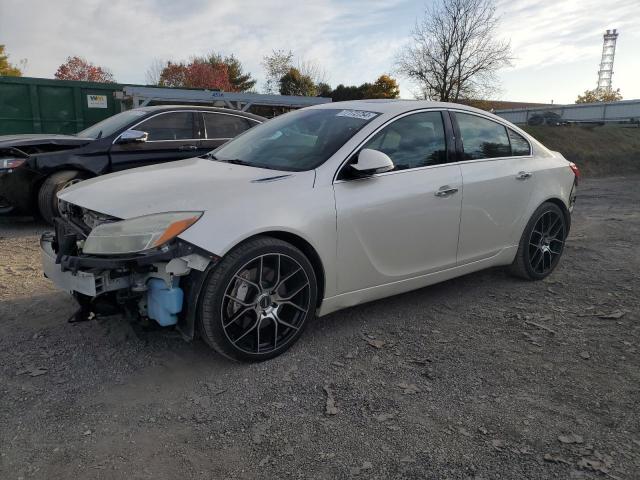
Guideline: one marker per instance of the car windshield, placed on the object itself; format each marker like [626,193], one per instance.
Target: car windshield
[296,141]
[111,125]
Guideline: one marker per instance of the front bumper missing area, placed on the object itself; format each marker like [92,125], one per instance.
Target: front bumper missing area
[125,282]
[90,283]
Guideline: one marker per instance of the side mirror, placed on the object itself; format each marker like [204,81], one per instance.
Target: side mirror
[133,136]
[371,162]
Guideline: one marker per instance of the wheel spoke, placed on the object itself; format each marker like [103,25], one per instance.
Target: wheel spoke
[258,335]
[283,281]
[540,259]
[238,301]
[548,231]
[284,323]
[290,297]
[557,231]
[237,316]
[298,307]
[275,333]
[247,332]
[260,269]
[248,282]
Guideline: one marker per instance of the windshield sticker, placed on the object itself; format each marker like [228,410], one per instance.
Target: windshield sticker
[361,114]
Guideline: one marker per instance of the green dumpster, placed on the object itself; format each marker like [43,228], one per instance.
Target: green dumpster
[39,105]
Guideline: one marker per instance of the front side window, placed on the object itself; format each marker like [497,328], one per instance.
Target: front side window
[482,138]
[519,145]
[296,141]
[413,141]
[111,125]
[169,126]
[225,126]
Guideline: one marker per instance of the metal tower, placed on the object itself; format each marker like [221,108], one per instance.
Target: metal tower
[606,64]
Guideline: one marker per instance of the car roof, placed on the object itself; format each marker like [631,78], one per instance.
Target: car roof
[397,106]
[162,108]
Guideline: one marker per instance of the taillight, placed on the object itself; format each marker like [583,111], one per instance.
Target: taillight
[574,168]
[11,163]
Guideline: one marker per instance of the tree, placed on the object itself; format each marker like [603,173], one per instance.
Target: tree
[343,93]
[384,87]
[152,75]
[295,83]
[599,95]
[455,53]
[323,90]
[6,68]
[240,81]
[313,70]
[78,68]
[196,74]
[276,65]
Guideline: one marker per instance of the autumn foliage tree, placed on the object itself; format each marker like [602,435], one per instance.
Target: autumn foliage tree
[384,87]
[78,68]
[6,68]
[198,73]
[295,83]
[599,95]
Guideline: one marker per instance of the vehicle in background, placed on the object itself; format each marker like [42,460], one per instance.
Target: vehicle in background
[311,212]
[35,167]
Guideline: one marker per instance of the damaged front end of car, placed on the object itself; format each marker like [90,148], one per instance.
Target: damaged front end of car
[138,266]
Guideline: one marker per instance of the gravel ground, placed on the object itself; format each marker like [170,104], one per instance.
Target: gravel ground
[482,377]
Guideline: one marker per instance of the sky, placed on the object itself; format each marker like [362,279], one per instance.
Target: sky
[557,43]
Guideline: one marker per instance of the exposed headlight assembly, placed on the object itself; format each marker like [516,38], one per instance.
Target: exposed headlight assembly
[11,163]
[138,234]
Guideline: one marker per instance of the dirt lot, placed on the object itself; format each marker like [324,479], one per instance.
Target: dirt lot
[482,377]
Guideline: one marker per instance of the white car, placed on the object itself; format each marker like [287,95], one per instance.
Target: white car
[311,212]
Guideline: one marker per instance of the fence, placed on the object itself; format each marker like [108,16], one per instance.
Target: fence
[584,112]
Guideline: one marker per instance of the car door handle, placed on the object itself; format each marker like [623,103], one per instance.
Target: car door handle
[523,175]
[445,191]
[187,147]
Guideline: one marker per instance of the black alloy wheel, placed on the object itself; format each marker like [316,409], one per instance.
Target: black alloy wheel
[257,301]
[542,243]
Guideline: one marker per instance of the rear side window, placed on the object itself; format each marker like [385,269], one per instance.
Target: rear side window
[482,138]
[169,126]
[519,145]
[413,141]
[225,126]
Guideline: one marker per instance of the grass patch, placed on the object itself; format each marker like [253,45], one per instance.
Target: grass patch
[597,150]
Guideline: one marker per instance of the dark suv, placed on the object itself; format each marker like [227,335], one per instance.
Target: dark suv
[35,167]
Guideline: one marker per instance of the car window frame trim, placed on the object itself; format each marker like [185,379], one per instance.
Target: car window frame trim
[194,123]
[494,120]
[204,124]
[389,122]
[455,138]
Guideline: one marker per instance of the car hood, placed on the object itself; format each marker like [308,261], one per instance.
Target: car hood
[41,139]
[195,184]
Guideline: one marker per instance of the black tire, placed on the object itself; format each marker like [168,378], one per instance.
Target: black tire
[216,303]
[539,251]
[47,199]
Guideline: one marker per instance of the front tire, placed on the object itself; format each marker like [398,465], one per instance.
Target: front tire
[47,195]
[542,243]
[258,300]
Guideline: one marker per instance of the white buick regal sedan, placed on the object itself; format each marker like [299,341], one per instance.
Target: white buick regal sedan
[311,212]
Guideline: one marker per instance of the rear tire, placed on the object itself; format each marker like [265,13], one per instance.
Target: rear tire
[47,195]
[258,300]
[541,244]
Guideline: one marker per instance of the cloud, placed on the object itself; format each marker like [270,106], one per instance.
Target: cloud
[125,36]
[555,32]
[557,43]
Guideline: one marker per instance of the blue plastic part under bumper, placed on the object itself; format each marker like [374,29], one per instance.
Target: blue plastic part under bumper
[163,302]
